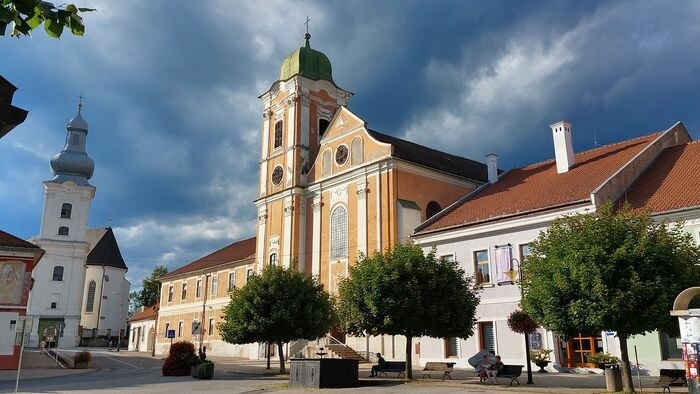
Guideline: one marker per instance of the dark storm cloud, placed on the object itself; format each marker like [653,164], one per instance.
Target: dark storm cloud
[174,117]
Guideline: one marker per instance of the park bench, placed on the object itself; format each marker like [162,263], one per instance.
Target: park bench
[511,372]
[671,377]
[393,366]
[432,366]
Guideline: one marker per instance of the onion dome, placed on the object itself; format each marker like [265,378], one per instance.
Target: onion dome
[73,163]
[306,62]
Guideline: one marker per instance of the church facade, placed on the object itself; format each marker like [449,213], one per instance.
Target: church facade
[57,303]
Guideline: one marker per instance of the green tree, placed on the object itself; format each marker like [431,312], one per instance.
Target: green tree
[277,306]
[150,291]
[405,292]
[27,15]
[612,270]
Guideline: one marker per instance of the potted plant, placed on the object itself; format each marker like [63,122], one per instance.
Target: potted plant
[81,359]
[601,359]
[541,358]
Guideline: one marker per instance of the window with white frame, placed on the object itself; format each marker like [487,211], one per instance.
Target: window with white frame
[183,294]
[214,285]
[66,209]
[231,280]
[482,267]
[170,294]
[278,134]
[180,325]
[248,274]
[90,303]
[339,233]
[447,257]
[63,230]
[198,289]
[273,258]
[210,331]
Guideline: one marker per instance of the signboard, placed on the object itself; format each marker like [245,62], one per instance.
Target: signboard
[196,328]
[690,329]
[170,334]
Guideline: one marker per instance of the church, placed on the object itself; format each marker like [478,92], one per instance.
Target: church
[330,189]
[80,289]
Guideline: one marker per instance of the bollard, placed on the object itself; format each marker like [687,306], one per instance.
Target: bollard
[613,378]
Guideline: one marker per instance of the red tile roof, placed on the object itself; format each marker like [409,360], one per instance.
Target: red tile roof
[539,186]
[9,240]
[672,183]
[148,313]
[235,252]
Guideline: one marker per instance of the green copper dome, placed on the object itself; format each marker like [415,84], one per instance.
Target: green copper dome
[307,62]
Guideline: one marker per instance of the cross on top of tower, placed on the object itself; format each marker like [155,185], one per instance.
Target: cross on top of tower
[307,36]
[80,101]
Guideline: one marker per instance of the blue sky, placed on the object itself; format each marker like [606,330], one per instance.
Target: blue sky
[174,118]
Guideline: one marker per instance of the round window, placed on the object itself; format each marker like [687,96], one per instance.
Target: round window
[277,175]
[341,155]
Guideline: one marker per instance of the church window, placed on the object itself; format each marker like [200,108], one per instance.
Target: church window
[66,210]
[327,162]
[339,233]
[198,289]
[54,305]
[183,294]
[214,285]
[58,273]
[170,294]
[278,134]
[322,126]
[356,151]
[54,298]
[341,155]
[273,258]
[63,230]
[90,304]
[231,280]
[431,209]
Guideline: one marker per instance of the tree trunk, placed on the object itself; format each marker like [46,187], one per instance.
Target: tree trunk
[267,354]
[281,356]
[627,384]
[409,357]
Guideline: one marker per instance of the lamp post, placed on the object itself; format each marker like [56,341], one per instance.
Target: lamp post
[527,334]
[121,306]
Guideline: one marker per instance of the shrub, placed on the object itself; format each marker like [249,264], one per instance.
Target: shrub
[82,357]
[602,358]
[540,355]
[179,359]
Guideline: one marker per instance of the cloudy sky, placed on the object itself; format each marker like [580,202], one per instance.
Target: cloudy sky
[171,96]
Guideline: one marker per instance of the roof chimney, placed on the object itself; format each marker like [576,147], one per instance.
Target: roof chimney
[563,148]
[492,166]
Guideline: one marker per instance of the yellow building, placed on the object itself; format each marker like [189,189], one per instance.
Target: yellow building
[330,189]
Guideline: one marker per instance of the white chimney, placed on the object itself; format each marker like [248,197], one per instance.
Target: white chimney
[563,147]
[492,166]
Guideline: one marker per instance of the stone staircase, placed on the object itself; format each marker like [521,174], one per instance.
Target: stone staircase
[344,351]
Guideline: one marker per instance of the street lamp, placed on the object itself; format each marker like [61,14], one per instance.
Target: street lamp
[121,306]
[527,334]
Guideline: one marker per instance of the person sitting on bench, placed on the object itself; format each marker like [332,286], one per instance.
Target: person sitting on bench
[494,368]
[376,369]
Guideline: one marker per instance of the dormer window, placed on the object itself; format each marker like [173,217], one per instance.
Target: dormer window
[278,135]
[66,210]
[63,230]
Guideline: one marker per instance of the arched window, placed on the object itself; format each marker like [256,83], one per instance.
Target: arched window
[66,210]
[327,162]
[90,304]
[57,273]
[278,134]
[339,233]
[432,209]
[273,258]
[63,230]
[322,126]
[356,151]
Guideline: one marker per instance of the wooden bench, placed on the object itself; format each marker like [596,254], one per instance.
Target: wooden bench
[393,366]
[511,372]
[671,377]
[445,368]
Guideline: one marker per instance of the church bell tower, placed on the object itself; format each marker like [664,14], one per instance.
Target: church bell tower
[296,111]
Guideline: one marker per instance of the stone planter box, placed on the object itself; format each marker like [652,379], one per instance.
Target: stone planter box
[323,372]
[203,370]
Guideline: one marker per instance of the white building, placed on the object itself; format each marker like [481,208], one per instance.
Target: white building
[142,329]
[488,232]
[57,299]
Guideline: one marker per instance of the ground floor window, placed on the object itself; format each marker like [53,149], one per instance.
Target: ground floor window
[670,347]
[487,337]
[579,347]
[452,347]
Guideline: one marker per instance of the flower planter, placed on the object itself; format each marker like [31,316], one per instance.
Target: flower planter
[542,365]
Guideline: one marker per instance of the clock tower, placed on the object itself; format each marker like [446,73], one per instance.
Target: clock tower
[297,109]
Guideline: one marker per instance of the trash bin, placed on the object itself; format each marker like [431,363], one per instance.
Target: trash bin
[613,378]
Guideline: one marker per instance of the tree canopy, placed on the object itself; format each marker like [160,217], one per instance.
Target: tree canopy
[612,270]
[277,306]
[27,15]
[406,292]
[150,291]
